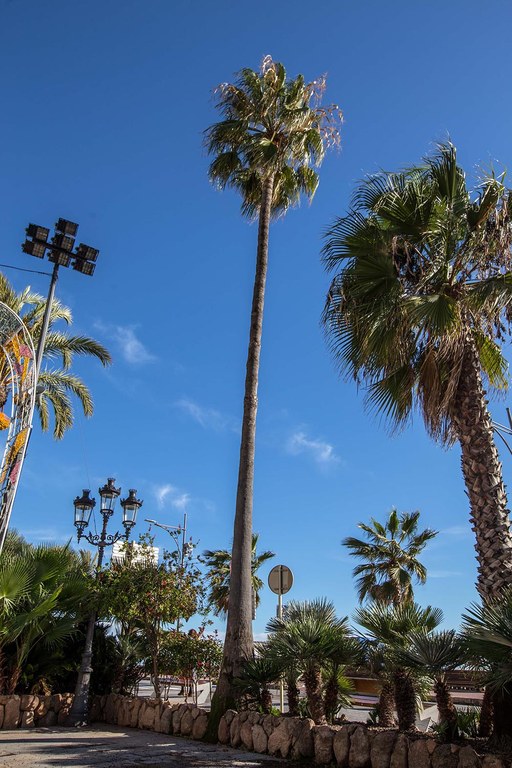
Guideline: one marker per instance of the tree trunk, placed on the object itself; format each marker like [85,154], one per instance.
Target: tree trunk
[483,476]
[486,714]
[331,698]
[293,696]
[446,709]
[266,701]
[386,706]
[502,721]
[238,645]
[313,685]
[405,700]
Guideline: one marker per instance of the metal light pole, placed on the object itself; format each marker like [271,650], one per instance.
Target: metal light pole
[83,508]
[24,384]
[176,531]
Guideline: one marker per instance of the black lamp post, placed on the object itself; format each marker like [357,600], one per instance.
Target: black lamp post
[83,508]
[61,254]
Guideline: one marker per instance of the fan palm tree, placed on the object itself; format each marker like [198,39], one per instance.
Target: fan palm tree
[390,628]
[309,637]
[43,592]
[56,384]
[435,654]
[419,304]
[390,556]
[272,134]
[218,563]
[487,630]
[257,675]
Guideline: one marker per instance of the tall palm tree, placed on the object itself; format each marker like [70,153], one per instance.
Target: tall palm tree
[390,628]
[218,563]
[310,637]
[417,309]
[390,555]
[56,384]
[272,133]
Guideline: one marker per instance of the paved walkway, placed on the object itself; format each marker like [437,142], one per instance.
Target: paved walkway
[103,747]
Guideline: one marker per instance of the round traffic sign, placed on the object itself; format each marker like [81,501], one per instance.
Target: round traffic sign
[280,579]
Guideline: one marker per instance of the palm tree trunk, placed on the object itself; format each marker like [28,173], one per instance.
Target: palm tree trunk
[483,476]
[502,721]
[446,709]
[292,696]
[239,644]
[313,685]
[486,714]
[331,697]
[387,705]
[405,700]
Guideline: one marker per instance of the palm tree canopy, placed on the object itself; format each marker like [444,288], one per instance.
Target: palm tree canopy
[272,126]
[393,625]
[218,563]
[487,631]
[423,270]
[310,634]
[57,385]
[390,555]
[432,653]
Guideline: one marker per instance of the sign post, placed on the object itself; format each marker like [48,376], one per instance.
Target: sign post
[280,581]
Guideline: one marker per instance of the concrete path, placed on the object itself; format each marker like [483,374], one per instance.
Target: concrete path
[106,747]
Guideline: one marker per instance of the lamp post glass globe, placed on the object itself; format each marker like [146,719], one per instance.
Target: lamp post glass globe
[83,508]
[131,506]
[108,494]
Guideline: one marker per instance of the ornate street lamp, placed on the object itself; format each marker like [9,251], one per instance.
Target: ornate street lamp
[83,507]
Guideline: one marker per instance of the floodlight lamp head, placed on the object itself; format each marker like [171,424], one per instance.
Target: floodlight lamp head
[65,227]
[34,249]
[37,233]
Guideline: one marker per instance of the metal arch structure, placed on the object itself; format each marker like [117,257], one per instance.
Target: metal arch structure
[18,379]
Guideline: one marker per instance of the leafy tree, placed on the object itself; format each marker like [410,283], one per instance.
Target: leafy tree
[218,563]
[145,596]
[56,384]
[390,628]
[420,302]
[390,557]
[272,133]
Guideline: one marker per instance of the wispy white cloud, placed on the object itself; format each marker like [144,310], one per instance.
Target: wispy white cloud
[132,348]
[208,418]
[168,495]
[319,450]
[181,501]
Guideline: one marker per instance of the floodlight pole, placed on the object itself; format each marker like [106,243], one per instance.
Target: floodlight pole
[46,320]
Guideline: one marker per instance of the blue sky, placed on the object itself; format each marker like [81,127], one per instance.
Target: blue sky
[104,105]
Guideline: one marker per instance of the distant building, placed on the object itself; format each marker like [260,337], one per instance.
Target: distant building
[139,554]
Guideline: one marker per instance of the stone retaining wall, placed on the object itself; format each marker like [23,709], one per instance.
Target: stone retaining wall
[150,714]
[28,711]
[345,746]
